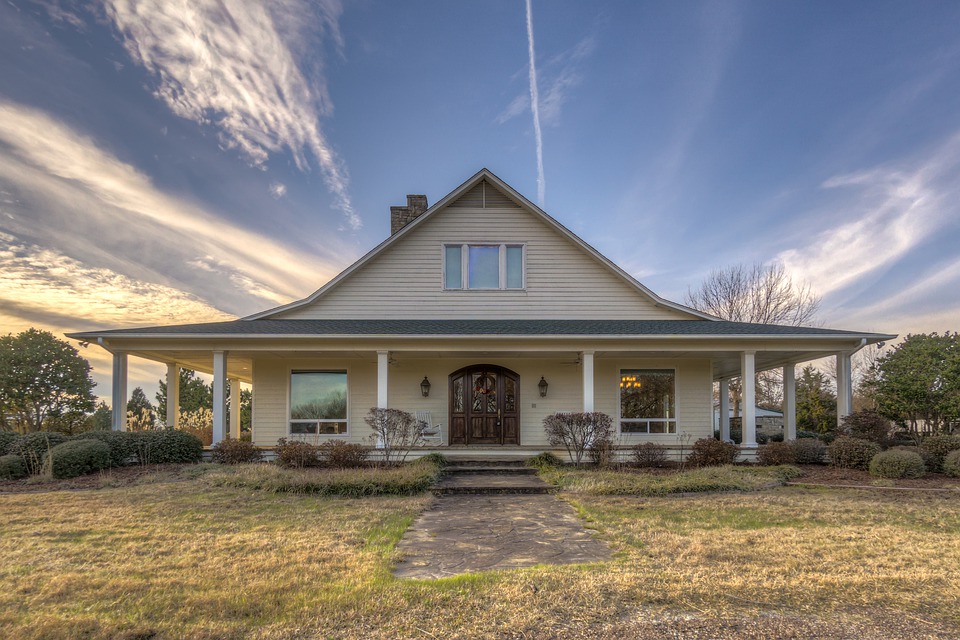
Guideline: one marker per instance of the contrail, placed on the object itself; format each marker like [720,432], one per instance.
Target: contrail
[535,108]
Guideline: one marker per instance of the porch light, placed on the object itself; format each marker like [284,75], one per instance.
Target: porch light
[425,387]
[542,385]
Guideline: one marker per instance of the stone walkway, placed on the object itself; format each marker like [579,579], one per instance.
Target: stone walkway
[468,533]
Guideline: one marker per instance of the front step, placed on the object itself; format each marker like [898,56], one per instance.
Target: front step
[492,469]
[485,461]
[490,479]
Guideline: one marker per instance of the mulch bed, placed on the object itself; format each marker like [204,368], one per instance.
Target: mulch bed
[822,474]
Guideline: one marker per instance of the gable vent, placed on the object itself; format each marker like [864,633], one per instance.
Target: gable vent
[484,196]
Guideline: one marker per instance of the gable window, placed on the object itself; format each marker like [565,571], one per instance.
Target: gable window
[318,402]
[648,401]
[483,266]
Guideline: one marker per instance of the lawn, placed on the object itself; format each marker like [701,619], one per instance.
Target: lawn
[185,555]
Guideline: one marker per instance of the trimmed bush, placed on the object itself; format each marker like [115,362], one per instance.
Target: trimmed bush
[951,464]
[852,453]
[808,451]
[79,457]
[232,451]
[121,443]
[545,460]
[295,454]
[649,454]
[6,439]
[344,455]
[936,448]
[897,463]
[167,446]
[775,454]
[32,448]
[12,467]
[708,452]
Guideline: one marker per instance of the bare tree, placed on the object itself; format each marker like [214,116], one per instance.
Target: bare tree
[758,293]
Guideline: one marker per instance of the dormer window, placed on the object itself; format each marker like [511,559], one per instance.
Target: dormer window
[483,266]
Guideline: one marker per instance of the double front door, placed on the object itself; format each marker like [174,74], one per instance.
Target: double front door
[484,406]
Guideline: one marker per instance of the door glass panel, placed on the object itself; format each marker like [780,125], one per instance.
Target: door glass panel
[458,395]
[491,385]
[477,392]
[509,395]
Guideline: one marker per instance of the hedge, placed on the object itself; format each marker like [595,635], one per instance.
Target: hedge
[79,457]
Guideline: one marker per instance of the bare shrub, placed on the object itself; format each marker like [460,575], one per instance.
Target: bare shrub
[395,433]
[232,451]
[649,454]
[344,455]
[576,432]
[295,454]
[775,454]
[708,452]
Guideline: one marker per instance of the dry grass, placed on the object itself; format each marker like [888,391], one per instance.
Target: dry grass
[184,560]
[629,482]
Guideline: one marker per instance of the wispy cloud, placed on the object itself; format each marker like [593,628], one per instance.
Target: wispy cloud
[535,108]
[233,65]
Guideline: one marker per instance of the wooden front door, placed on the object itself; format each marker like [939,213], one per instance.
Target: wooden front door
[484,405]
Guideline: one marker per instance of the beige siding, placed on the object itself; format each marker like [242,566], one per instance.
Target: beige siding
[406,279]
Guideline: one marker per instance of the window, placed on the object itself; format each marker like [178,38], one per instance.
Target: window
[648,401]
[318,402]
[483,266]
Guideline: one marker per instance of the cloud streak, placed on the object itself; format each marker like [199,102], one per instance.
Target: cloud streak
[231,65]
[535,108]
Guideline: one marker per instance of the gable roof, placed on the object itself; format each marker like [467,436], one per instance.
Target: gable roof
[482,175]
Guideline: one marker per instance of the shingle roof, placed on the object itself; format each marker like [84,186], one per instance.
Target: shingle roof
[368,327]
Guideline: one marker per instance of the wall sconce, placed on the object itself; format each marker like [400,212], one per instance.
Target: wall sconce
[542,385]
[425,387]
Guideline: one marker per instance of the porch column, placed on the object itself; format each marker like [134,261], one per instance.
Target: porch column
[119,392]
[235,409]
[173,395]
[844,386]
[383,364]
[748,401]
[587,381]
[219,396]
[724,409]
[789,402]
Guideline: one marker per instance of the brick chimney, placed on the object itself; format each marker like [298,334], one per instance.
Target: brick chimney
[402,216]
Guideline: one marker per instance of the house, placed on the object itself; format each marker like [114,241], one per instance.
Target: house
[491,315]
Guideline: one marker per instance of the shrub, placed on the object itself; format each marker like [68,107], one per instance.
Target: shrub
[602,453]
[437,459]
[852,453]
[808,451]
[232,451]
[32,448]
[951,464]
[78,458]
[295,454]
[344,455]
[545,460]
[775,454]
[897,463]
[762,437]
[167,446]
[866,425]
[6,439]
[121,443]
[803,433]
[775,436]
[395,433]
[708,452]
[12,467]
[935,450]
[577,431]
[649,454]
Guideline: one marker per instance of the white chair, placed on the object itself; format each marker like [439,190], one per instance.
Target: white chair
[432,433]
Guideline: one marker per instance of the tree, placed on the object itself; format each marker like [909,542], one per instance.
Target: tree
[194,394]
[101,419]
[762,294]
[43,380]
[138,405]
[816,401]
[918,382]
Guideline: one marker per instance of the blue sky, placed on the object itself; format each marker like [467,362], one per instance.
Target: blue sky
[172,161]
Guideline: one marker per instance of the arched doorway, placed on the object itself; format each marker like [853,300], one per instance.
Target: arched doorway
[484,405]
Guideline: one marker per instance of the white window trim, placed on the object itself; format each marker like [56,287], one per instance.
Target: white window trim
[316,436]
[465,265]
[676,404]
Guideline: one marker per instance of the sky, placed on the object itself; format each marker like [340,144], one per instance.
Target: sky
[176,161]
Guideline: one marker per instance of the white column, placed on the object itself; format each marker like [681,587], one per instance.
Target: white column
[235,409]
[789,402]
[748,401]
[724,409]
[173,395]
[587,357]
[844,386]
[219,396]
[119,390]
[383,364]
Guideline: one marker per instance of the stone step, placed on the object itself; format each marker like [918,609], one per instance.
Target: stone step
[481,461]
[492,469]
[489,483]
